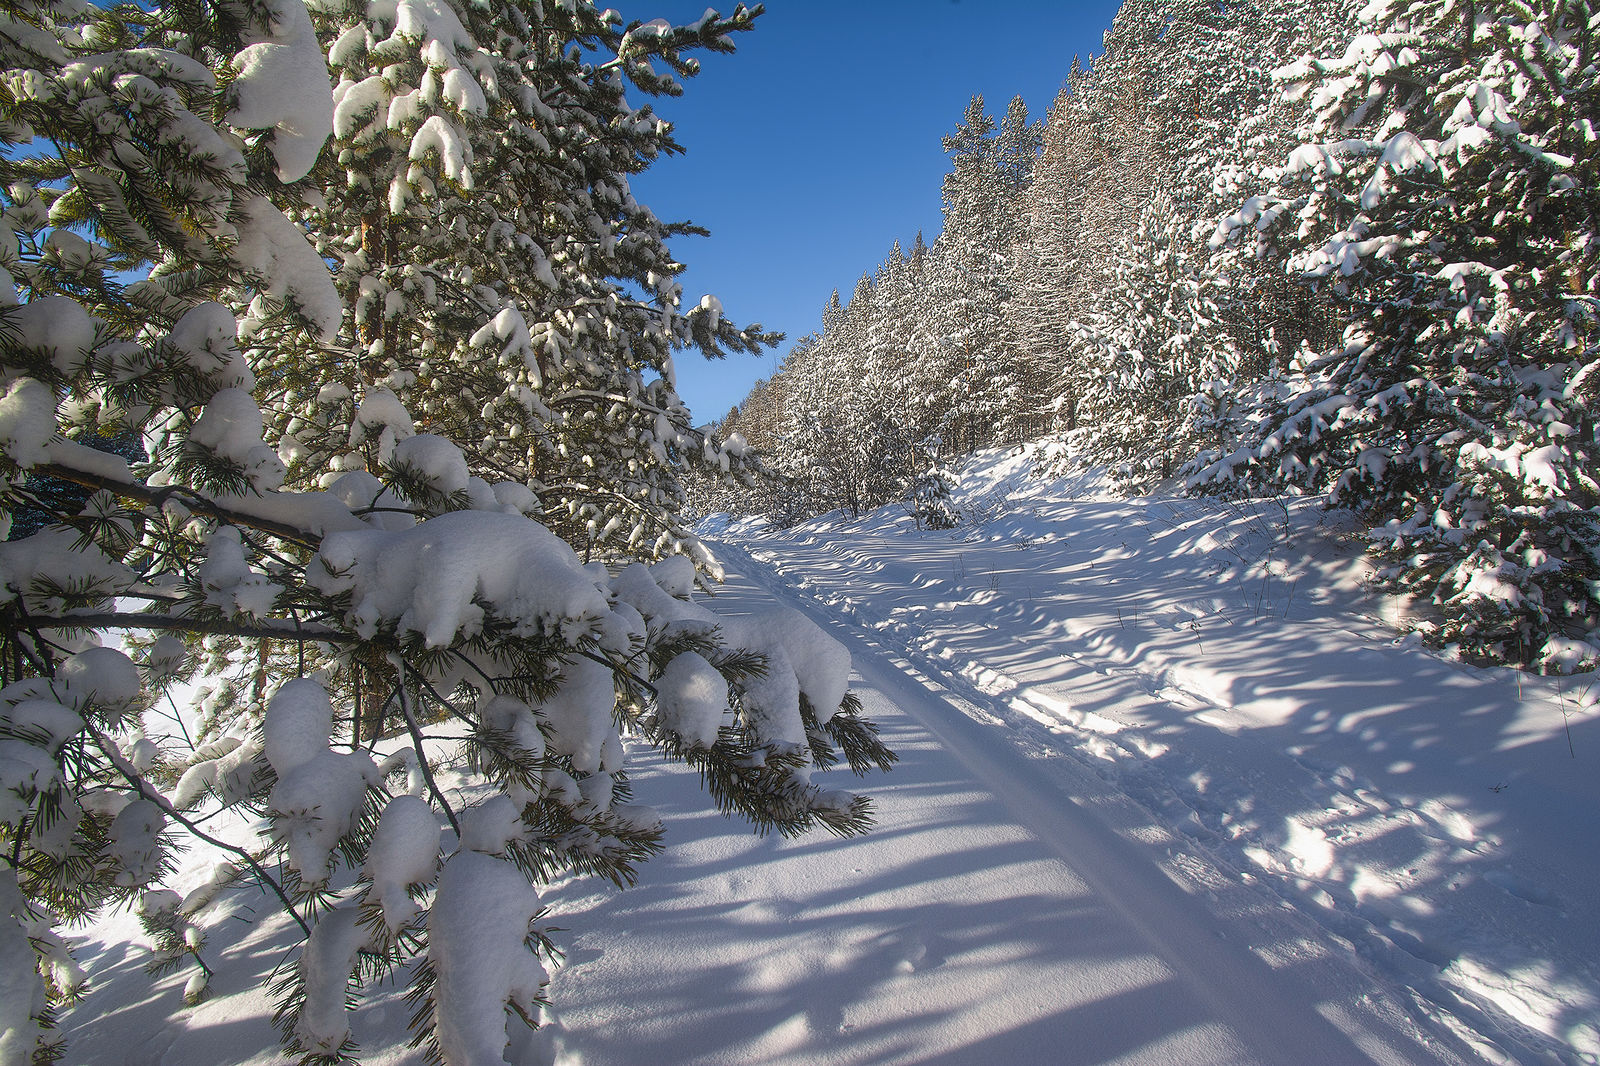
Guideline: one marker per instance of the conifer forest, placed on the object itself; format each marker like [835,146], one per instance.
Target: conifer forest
[1154,619]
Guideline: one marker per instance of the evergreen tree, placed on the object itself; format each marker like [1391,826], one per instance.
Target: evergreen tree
[491,250]
[1151,349]
[1445,191]
[1180,106]
[174,145]
[1044,266]
[983,225]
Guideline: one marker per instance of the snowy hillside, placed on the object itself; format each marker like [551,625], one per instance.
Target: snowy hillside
[1224,667]
[1172,790]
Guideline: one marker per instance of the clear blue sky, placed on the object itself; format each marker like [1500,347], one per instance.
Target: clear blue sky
[817,145]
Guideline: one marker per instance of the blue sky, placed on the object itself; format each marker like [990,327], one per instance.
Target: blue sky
[817,145]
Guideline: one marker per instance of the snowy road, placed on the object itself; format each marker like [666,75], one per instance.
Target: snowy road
[1010,908]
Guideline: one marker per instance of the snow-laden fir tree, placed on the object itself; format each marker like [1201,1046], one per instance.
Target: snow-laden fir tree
[1445,191]
[1179,107]
[823,428]
[173,146]
[1045,264]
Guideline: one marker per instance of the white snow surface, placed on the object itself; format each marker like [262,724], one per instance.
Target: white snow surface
[27,421]
[436,460]
[1174,788]
[693,699]
[278,254]
[104,677]
[320,792]
[230,427]
[579,713]
[326,965]
[480,918]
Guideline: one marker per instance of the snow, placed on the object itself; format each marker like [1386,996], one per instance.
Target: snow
[1405,151]
[821,664]
[435,460]
[404,852]
[477,930]
[801,657]
[50,559]
[27,421]
[361,491]
[33,727]
[326,966]
[55,326]
[282,84]
[134,843]
[674,575]
[230,427]
[519,730]
[279,256]
[230,584]
[105,679]
[165,656]
[430,579]
[206,335]
[492,826]
[441,137]
[22,994]
[1174,788]
[356,101]
[693,699]
[320,792]
[516,498]
[511,330]
[298,724]
[220,772]
[1225,668]
[382,419]
[88,460]
[579,713]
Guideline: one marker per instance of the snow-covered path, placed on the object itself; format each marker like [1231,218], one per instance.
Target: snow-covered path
[1005,910]
[1169,793]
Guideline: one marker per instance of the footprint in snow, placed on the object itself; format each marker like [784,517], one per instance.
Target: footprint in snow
[911,949]
[1524,890]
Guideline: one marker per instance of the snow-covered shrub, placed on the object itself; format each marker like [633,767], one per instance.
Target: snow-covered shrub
[932,501]
[328,579]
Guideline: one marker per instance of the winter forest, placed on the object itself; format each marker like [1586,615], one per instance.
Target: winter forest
[1261,248]
[368,587]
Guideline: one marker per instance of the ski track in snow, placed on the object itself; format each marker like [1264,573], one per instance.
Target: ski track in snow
[1007,910]
[1296,773]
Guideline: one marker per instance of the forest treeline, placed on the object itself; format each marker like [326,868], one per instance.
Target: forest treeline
[1257,249]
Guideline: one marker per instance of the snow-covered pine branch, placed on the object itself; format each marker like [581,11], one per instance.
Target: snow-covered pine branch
[354,606]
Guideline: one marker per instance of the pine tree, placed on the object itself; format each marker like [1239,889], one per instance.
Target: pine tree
[1180,107]
[983,225]
[1043,269]
[1445,191]
[1150,349]
[183,146]
[491,249]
